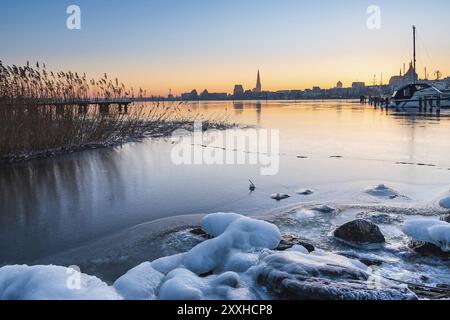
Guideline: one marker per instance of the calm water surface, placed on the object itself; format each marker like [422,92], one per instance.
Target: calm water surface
[337,148]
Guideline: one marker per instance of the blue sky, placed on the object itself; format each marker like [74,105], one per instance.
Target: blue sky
[185,44]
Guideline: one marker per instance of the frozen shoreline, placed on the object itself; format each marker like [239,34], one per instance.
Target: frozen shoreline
[111,257]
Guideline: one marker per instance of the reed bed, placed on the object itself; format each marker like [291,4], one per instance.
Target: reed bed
[40,113]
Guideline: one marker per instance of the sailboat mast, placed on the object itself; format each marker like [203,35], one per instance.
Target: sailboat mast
[414,51]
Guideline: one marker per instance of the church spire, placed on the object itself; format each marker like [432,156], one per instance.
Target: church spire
[258,87]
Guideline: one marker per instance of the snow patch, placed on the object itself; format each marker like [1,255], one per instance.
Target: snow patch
[51,283]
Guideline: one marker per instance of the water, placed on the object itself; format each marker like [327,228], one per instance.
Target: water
[337,148]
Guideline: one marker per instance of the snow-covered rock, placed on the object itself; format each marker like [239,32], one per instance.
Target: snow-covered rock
[324,209]
[279,196]
[232,232]
[324,276]
[51,283]
[305,192]
[445,203]
[382,191]
[430,231]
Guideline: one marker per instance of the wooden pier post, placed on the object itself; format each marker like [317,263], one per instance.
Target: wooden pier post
[421,103]
[104,108]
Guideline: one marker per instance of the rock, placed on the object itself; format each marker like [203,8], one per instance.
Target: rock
[280,196]
[445,203]
[296,276]
[379,218]
[427,249]
[324,209]
[288,241]
[199,232]
[446,218]
[360,232]
[305,192]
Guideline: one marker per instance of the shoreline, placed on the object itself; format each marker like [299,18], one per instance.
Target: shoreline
[136,138]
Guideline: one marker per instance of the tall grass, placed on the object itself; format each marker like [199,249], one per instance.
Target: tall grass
[39,115]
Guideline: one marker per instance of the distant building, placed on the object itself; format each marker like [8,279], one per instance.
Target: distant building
[258,88]
[238,90]
[204,94]
[401,80]
[339,85]
[447,82]
[193,95]
[316,89]
[358,85]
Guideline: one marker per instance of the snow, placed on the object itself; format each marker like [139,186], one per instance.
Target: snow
[429,230]
[51,283]
[182,284]
[243,234]
[445,203]
[140,283]
[216,224]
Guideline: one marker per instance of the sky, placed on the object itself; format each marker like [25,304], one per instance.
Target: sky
[185,44]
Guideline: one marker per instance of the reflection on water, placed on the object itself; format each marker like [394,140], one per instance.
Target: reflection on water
[50,205]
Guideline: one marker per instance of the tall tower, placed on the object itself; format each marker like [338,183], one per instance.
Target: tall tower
[258,88]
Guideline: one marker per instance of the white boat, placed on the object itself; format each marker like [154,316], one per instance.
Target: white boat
[420,95]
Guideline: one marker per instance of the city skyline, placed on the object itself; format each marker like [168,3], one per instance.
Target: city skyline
[162,45]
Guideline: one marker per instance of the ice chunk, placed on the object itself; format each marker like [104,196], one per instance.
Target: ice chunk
[140,283]
[51,283]
[429,230]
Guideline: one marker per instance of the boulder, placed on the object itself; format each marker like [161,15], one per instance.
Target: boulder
[288,241]
[427,249]
[360,231]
